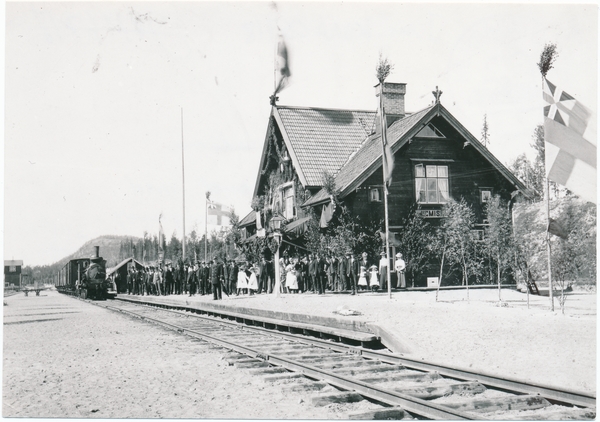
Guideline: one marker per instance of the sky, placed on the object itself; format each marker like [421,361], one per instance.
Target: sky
[95,93]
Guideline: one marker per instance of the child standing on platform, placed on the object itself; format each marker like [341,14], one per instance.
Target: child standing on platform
[362,280]
[374,280]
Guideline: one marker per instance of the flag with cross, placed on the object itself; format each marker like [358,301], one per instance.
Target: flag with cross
[219,211]
[570,141]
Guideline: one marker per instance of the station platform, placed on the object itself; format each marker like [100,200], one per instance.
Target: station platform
[352,330]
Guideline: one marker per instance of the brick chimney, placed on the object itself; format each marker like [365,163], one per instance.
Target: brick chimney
[393,102]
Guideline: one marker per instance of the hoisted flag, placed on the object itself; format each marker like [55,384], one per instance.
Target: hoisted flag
[161,238]
[570,141]
[557,229]
[327,213]
[388,156]
[283,65]
[214,208]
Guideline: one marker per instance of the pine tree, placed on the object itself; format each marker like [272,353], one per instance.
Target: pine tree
[485,132]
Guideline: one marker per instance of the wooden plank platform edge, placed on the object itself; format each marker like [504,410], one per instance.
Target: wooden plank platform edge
[324,325]
[389,340]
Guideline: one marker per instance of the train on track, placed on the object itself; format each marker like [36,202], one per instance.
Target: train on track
[86,278]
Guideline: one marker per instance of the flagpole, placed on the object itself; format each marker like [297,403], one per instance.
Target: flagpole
[548,247]
[385,189]
[183,183]
[206,228]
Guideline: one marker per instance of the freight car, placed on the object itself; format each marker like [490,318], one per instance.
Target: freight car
[86,278]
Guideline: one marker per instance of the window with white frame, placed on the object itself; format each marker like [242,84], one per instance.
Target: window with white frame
[374,194]
[485,195]
[289,210]
[431,184]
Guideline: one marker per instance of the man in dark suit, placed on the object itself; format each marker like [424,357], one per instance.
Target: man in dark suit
[216,278]
[352,271]
[342,270]
[264,276]
[321,274]
[169,280]
[271,269]
[312,272]
[130,282]
[191,279]
[233,274]
[208,284]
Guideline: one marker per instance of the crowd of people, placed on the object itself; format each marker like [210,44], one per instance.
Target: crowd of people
[320,273]
[298,274]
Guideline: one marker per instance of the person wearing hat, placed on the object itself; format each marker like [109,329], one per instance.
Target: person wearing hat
[232,276]
[158,279]
[216,279]
[373,281]
[242,280]
[352,271]
[253,280]
[169,279]
[383,265]
[312,273]
[291,277]
[191,280]
[342,272]
[400,266]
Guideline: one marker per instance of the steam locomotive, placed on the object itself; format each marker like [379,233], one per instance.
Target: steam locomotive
[85,277]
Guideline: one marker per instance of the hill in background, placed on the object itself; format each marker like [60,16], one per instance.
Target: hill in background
[110,249]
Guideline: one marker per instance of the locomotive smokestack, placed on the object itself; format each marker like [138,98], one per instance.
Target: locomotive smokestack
[97,251]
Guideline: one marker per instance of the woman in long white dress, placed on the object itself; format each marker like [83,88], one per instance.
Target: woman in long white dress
[374,280]
[252,280]
[291,279]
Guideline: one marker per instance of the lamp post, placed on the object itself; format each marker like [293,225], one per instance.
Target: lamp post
[275,224]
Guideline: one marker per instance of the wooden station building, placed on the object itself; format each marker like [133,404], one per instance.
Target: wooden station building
[436,158]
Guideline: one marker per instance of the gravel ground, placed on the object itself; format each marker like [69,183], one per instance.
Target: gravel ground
[69,359]
[66,358]
[512,340]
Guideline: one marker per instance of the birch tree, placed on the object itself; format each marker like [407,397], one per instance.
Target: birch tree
[498,240]
[455,238]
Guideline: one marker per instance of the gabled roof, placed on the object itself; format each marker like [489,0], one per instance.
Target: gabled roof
[249,219]
[368,159]
[323,139]
[369,155]
[13,263]
[119,265]
[321,197]
[319,139]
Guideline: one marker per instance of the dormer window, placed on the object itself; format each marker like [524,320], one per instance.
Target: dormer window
[430,131]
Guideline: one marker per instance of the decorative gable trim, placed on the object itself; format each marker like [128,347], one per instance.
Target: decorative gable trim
[395,147]
[491,158]
[417,126]
[275,114]
[288,145]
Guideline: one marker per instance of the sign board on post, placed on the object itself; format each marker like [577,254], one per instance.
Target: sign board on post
[432,281]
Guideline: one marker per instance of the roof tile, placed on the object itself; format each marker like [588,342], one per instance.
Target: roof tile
[323,139]
[371,149]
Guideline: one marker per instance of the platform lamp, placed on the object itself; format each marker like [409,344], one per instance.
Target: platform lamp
[275,225]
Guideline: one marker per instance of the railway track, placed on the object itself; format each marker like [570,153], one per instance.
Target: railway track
[398,387]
